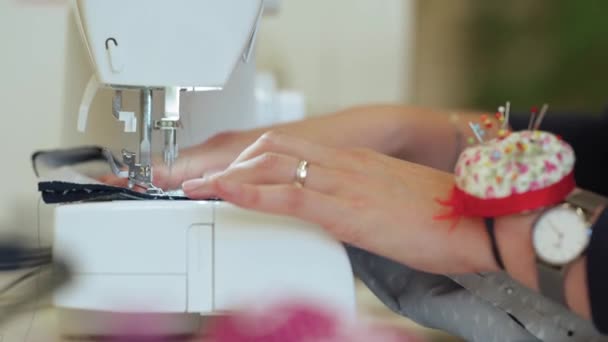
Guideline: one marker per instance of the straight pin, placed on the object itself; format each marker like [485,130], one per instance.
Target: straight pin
[475,128]
[541,116]
[533,114]
[507,112]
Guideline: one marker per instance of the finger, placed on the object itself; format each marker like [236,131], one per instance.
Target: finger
[113,180]
[186,168]
[296,147]
[164,177]
[169,178]
[272,168]
[330,212]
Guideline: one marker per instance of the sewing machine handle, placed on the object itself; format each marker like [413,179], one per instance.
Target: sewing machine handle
[73,156]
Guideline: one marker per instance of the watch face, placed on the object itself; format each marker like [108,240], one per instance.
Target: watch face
[560,235]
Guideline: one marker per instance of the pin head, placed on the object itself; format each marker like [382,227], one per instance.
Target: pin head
[534,110]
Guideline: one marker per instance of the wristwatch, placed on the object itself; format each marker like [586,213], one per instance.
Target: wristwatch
[560,236]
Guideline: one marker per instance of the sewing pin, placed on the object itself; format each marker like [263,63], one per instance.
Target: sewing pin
[541,116]
[477,131]
[533,113]
[506,113]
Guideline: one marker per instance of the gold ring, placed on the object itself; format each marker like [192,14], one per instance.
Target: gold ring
[301,173]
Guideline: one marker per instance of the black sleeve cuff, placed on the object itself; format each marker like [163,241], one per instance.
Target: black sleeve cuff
[597,273]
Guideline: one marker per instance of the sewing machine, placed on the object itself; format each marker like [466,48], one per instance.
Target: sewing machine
[178,259]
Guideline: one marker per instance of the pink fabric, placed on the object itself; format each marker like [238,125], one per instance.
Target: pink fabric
[299,323]
[295,322]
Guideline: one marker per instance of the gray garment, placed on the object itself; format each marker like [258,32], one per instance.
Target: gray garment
[478,308]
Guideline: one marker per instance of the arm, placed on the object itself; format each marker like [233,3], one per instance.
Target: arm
[380,204]
[470,250]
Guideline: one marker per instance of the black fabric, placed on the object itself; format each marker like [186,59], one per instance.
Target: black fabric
[587,134]
[597,277]
[65,192]
[489,222]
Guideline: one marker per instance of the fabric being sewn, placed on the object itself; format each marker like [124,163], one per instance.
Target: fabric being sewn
[66,192]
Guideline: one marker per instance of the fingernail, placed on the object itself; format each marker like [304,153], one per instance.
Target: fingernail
[191,185]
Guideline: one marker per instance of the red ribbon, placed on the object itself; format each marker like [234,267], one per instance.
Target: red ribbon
[463,204]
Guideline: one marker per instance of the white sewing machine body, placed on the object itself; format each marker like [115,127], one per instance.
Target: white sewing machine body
[181,257]
[205,257]
[157,44]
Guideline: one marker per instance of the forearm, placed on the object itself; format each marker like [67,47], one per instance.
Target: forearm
[468,245]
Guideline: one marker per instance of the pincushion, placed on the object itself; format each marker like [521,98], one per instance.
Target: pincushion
[523,161]
[517,172]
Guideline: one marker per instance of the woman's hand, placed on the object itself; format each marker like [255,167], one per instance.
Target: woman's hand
[419,135]
[210,156]
[361,197]
[378,128]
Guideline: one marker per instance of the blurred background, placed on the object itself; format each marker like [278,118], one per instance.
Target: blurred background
[315,57]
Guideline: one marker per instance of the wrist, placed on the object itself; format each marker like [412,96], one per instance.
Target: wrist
[400,124]
[473,252]
[514,239]
[432,138]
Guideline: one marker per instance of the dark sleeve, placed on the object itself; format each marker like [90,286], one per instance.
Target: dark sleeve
[588,136]
[597,277]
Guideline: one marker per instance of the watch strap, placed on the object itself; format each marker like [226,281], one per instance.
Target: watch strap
[551,281]
[586,200]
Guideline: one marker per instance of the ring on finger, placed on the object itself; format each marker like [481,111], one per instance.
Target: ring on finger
[301,173]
